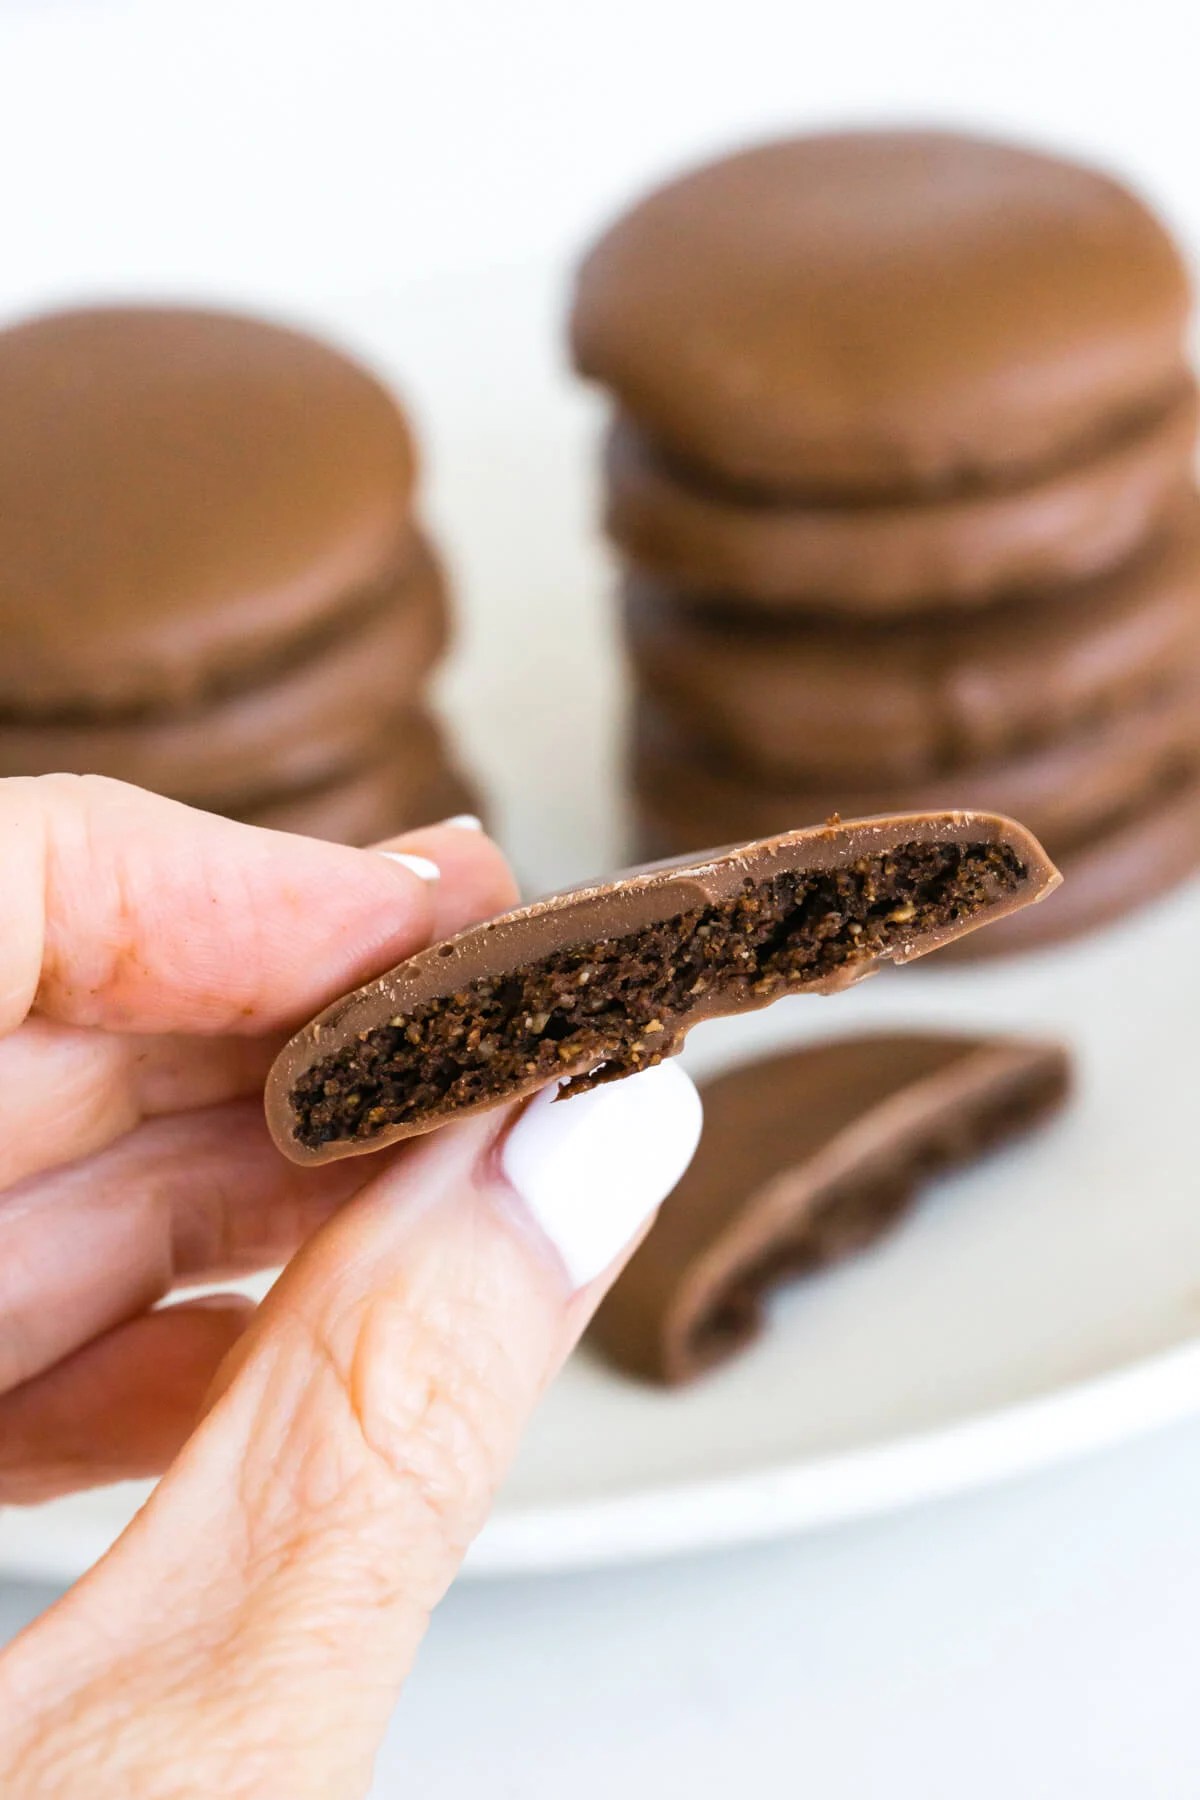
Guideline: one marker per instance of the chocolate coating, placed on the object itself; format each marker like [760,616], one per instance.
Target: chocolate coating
[807,1157]
[1062,790]
[808,699]
[884,312]
[183,494]
[880,559]
[611,965]
[409,781]
[305,724]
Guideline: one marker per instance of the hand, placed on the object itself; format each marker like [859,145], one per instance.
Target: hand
[248,1633]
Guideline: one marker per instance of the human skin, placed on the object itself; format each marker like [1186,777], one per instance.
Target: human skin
[329,1455]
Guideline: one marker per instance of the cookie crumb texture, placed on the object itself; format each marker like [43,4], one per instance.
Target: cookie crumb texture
[608,1007]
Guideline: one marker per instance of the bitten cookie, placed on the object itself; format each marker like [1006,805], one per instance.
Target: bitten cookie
[598,982]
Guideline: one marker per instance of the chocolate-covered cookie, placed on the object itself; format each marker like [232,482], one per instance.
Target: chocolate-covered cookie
[183,494]
[884,312]
[881,558]
[1064,790]
[807,1157]
[800,700]
[409,780]
[321,713]
[595,983]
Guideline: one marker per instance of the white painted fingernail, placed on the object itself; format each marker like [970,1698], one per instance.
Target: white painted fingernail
[460,822]
[416,865]
[593,1169]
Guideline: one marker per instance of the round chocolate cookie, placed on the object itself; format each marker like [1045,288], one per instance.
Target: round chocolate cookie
[1062,791]
[804,700]
[884,313]
[314,716]
[961,549]
[183,496]
[410,783]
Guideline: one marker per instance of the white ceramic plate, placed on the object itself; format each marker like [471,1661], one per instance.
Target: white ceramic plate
[1042,1305]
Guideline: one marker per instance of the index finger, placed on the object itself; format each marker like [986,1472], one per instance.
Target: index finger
[125,910]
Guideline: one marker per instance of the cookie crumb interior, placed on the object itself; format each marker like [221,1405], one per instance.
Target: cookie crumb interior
[609,1006]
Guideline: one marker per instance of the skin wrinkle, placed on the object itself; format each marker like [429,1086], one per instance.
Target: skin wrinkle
[122,1404]
[412,1450]
[62,1738]
[115,918]
[126,966]
[428,1434]
[70,841]
[383,1553]
[17,1354]
[321,1477]
[28,861]
[348,1467]
[241,1218]
[49,1763]
[197,1196]
[33,1334]
[80,1089]
[297,1583]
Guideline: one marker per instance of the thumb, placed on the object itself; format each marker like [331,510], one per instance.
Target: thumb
[263,1610]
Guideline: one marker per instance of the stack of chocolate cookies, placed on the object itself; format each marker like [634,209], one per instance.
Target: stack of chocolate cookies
[902,478]
[212,579]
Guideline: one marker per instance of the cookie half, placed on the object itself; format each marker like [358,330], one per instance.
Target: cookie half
[807,1157]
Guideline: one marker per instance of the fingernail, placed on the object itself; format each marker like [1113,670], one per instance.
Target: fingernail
[416,865]
[460,822]
[593,1169]
[222,1302]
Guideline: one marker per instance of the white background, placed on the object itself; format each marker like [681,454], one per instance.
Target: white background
[259,147]
[1036,1641]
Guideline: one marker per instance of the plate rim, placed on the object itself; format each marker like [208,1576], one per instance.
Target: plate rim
[978,1450]
[754,1505]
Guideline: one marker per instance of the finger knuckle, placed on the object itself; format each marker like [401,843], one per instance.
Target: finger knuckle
[426,1392]
[392,1444]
